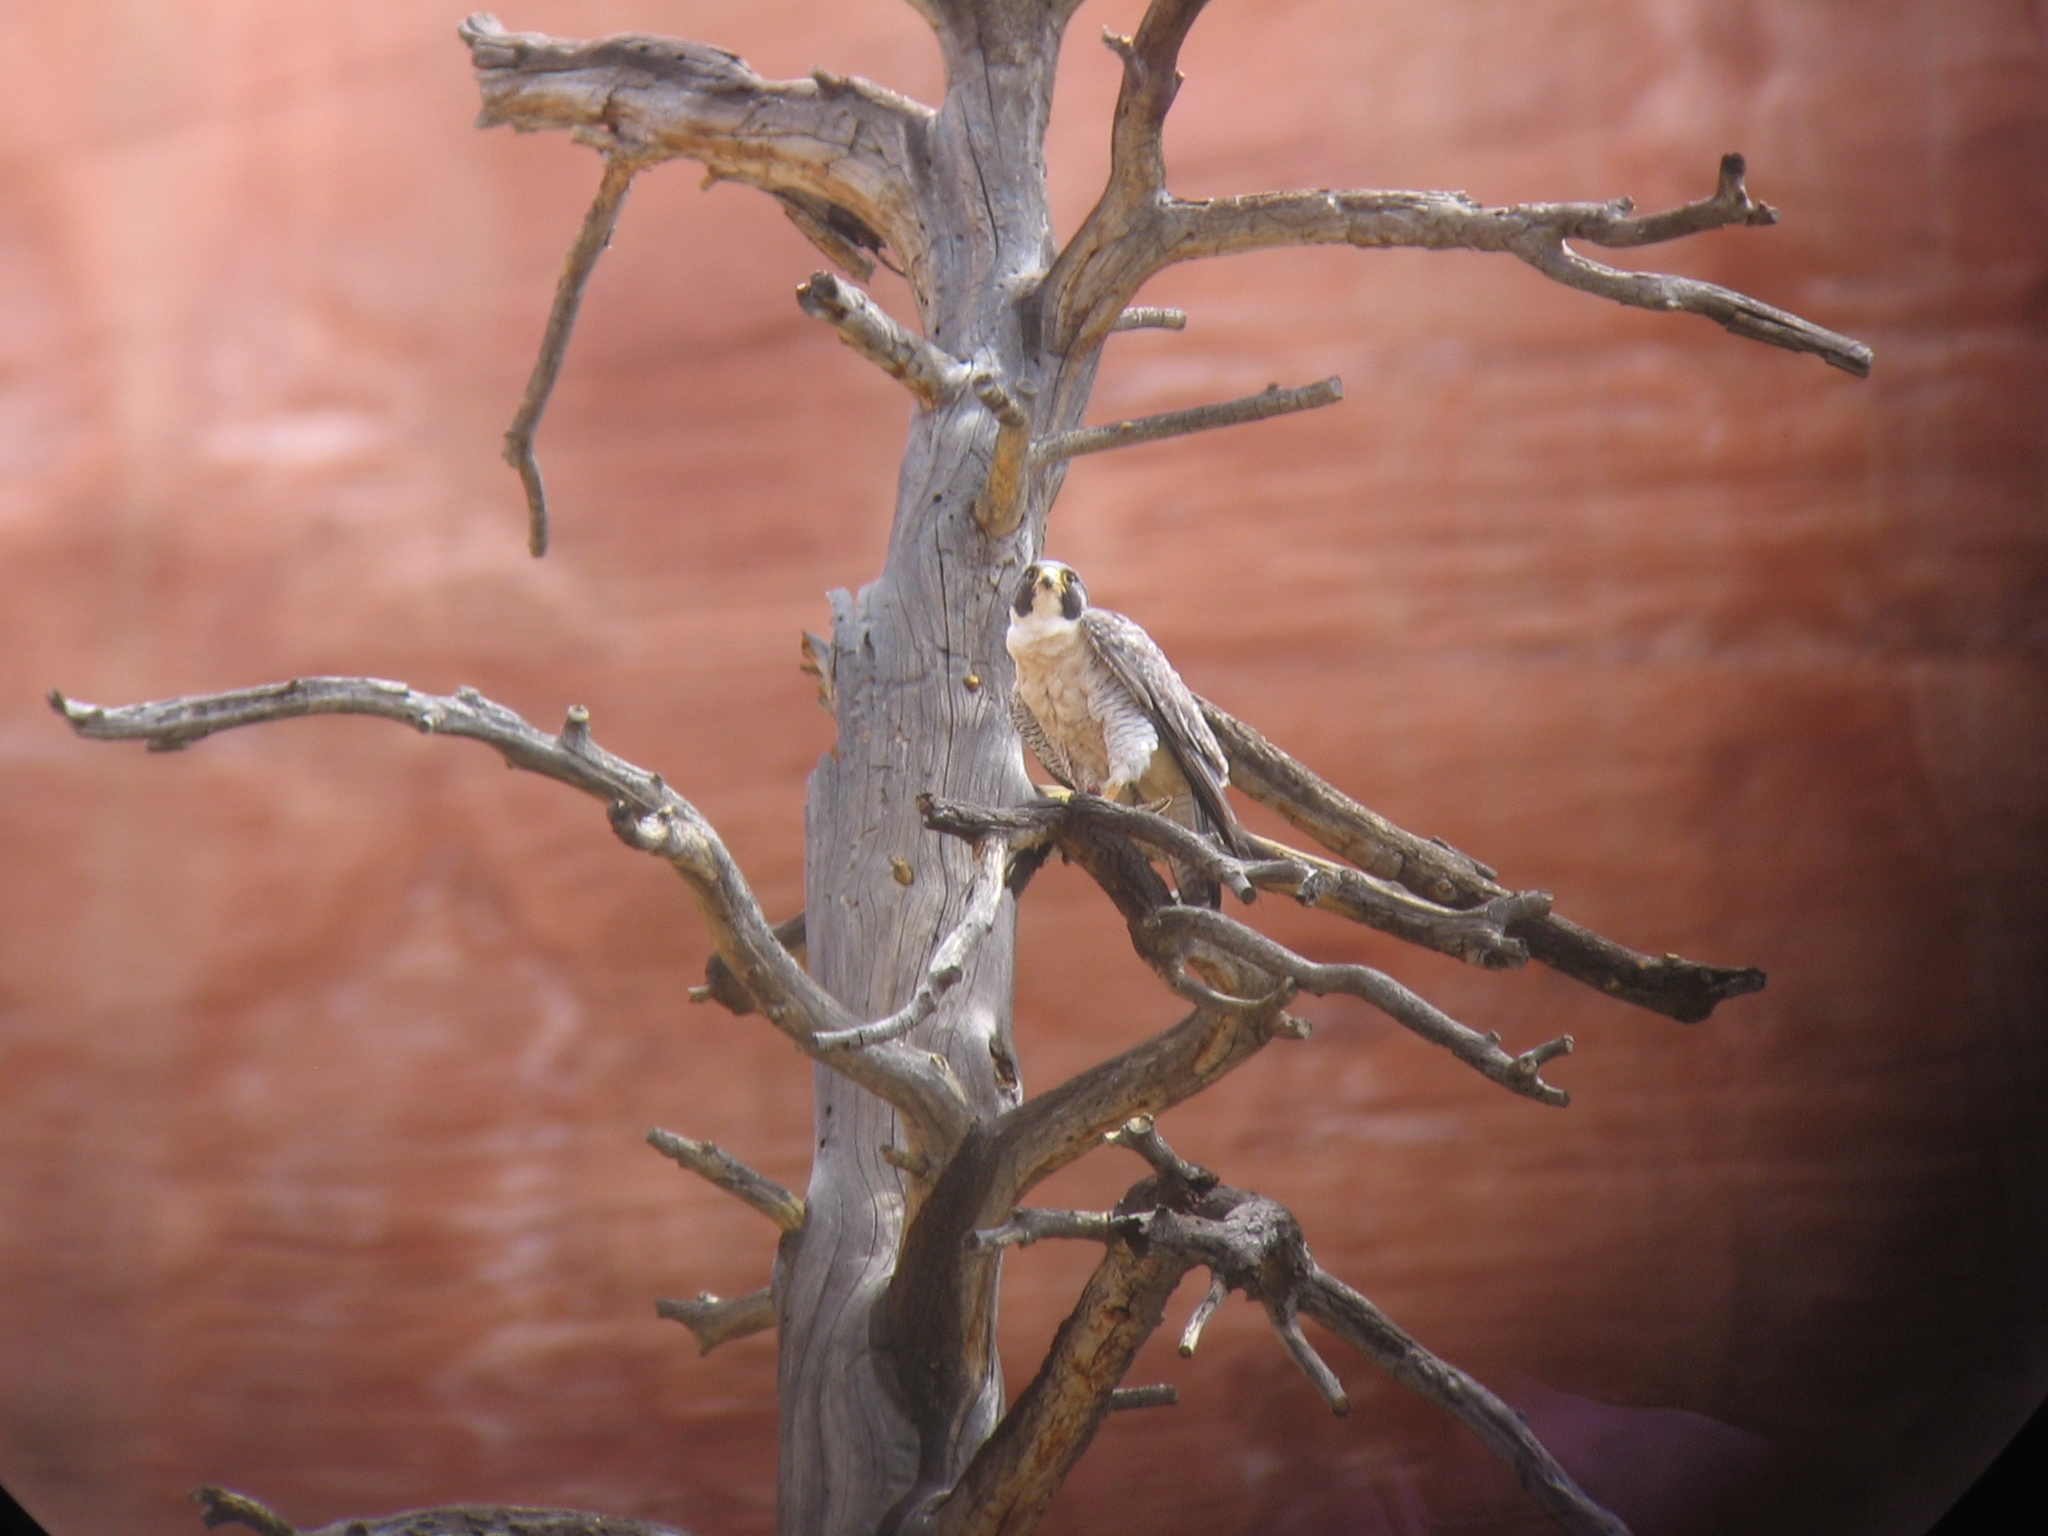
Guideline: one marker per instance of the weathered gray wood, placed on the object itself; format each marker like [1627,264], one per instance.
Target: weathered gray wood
[884,1300]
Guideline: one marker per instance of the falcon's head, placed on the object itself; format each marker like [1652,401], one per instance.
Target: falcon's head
[1050,588]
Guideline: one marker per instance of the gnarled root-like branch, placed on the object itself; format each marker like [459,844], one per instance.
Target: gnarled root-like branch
[716,1166]
[840,152]
[1137,226]
[1680,989]
[721,986]
[1180,1219]
[645,813]
[220,1507]
[590,242]
[715,1320]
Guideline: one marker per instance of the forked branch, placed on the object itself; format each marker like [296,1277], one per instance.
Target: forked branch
[1181,1219]
[645,813]
[1681,989]
[1137,227]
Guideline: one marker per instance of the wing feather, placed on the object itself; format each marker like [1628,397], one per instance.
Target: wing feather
[1035,738]
[1136,661]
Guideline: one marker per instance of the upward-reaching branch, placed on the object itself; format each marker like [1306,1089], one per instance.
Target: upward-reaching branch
[1137,226]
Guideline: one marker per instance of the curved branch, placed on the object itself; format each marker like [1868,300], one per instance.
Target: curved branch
[843,150]
[949,961]
[1518,1074]
[645,813]
[589,244]
[1138,228]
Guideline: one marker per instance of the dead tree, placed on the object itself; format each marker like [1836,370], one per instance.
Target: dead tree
[893,1414]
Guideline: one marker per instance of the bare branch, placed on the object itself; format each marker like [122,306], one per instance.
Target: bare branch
[1161,1229]
[839,151]
[949,961]
[865,326]
[1000,507]
[221,1507]
[1518,1074]
[716,1321]
[1164,1395]
[1027,1227]
[1680,989]
[1504,1432]
[713,1164]
[1146,319]
[1191,1336]
[590,242]
[1476,934]
[1313,1366]
[1016,1471]
[646,815]
[1268,402]
[1141,1135]
[721,986]
[1137,228]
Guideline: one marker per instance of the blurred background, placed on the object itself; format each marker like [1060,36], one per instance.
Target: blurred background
[326,1051]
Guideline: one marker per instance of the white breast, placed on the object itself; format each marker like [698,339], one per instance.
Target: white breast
[1079,703]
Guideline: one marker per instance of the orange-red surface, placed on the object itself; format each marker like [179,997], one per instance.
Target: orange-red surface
[325,1051]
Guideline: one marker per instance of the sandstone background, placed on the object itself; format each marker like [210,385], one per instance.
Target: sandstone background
[325,1051]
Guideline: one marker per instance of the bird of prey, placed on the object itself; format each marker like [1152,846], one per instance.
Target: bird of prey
[1100,704]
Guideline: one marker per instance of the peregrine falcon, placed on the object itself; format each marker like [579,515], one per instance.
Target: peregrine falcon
[1100,704]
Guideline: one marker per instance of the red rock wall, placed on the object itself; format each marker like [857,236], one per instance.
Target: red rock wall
[325,1051]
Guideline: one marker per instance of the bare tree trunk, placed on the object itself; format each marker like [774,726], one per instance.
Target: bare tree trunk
[920,679]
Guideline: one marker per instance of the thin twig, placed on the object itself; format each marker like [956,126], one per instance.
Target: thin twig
[715,1320]
[1030,1226]
[1313,1366]
[1267,403]
[868,329]
[1140,1134]
[590,242]
[1213,1298]
[713,1164]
